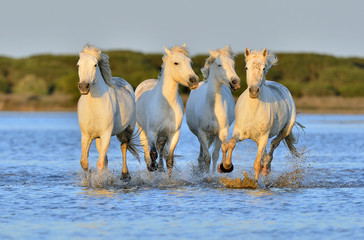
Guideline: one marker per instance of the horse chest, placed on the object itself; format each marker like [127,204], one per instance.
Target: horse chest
[95,117]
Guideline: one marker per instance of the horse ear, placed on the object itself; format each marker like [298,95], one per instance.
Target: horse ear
[227,48]
[211,52]
[168,52]
[184,45]
[247,52]
[265,52]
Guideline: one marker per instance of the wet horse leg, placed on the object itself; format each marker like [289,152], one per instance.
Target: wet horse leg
[200,159]
[216,153]
[226,165]
[85,146]
[261,143]
[124,172]
[268,158]
[145,144]
[160,147]
[172,145]
[98,146]
[104,146]
[206,158]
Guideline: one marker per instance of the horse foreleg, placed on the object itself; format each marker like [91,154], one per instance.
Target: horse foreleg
[172,145]
[160,147]
[85,146]
[226,165]
[124,172]
[216,153]
[200,159]
[145,144]
[206,158]
[104,146]
[98,146]
[262,143]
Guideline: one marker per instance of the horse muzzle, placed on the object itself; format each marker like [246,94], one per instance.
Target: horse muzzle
[84,88]
[193,82]
[254,91]
[235,84]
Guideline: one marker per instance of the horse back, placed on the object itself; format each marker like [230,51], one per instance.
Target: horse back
[145,86]
[282,105]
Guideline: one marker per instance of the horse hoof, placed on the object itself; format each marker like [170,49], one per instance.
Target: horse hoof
[125,177]
[152,167]
[265,171]
[221,169]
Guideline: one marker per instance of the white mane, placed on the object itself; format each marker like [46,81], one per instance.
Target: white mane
[210,60]
[103,62]
[270,59]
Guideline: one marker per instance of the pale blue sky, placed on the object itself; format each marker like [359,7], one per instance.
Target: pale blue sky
[60,27]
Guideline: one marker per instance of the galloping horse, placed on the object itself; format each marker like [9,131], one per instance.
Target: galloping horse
[160,108]
[106,108]
[210,108]
[264,110]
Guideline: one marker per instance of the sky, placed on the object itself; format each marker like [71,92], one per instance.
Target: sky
[332,27]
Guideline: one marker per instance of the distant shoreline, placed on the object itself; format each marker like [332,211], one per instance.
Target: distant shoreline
[64,103]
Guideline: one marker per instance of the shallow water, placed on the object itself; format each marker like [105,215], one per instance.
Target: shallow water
[43,193]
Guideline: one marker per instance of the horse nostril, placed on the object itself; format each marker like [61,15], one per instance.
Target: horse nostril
[88,85]
[192,79]
[258,90]
[250,90]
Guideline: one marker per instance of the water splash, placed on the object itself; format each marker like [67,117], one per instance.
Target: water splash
[237,183]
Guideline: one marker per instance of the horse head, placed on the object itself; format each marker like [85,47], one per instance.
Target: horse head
[221,63]
[91,62]
[177,63]
[257,65]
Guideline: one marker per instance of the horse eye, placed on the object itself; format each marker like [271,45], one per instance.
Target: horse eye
[263,69]
[95,65]
[78,65]
[246,68]
[219,65]
[176,63]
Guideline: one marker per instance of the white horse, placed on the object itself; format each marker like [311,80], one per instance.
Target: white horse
[210,108]
[106,108]
[160,108]
[264,110]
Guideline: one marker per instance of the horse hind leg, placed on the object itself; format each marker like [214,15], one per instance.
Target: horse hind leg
[125,144]
[268,158]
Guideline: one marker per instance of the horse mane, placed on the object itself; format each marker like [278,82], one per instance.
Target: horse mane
[270,59]
[210,60]
[103,62]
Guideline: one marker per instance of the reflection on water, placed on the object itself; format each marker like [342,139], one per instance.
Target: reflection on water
[44,193]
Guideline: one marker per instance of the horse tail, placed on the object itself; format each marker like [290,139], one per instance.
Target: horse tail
[133,144]
[290,141]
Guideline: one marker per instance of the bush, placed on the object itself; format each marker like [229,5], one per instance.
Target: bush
[32,85]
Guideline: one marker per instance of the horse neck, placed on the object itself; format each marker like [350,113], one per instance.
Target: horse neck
[213,89]
[100,87]
[169,87]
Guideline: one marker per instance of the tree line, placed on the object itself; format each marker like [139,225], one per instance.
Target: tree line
[303,74]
